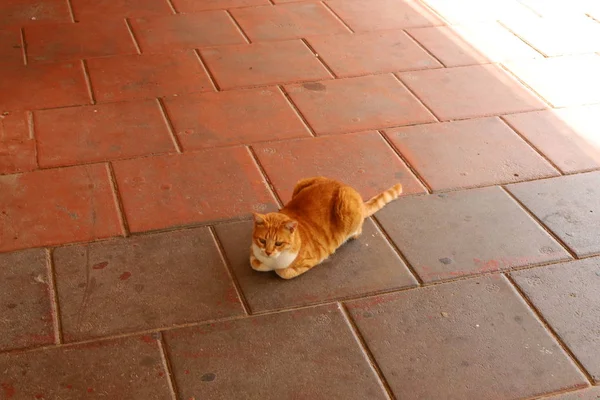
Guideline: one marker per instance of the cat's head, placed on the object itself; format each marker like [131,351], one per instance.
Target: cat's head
[274,233]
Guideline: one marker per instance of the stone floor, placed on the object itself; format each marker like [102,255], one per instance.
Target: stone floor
[136,136]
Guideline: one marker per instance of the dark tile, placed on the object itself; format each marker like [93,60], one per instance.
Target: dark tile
[473,339]
[462,233]
[363,266]
[309,354]
[569,206]
[25,300]
[117,369]
[141,283]
[567,296]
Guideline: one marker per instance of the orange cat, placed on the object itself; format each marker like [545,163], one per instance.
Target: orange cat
[322,215]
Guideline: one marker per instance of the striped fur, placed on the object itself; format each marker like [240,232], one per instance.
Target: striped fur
[378,202]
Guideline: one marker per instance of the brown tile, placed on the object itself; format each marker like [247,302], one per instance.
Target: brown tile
[148,75]
[56,206]
[474,43]
[376,15]
[222,360]
[568,136]
[56,85]
[17,147]
[345,274]
[592,393]
[75,135]
[11,51]
[461,11]
[463,233]
[475,152]
[473,339]
[16,13]
[287,21]
[567,296]
[569,206]
[25,300]
[356,159]
[71,42]
[357,104]
[233,117]
[192,6]
[142,283]
[185,31]
[90,10]
[129,368]
[578,83]
[372,53]
[467,92]
[175,190]
[263,64]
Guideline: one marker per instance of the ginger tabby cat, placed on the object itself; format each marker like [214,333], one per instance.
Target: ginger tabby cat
[322,215]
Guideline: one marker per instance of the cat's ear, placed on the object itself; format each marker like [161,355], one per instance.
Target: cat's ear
[259,219]
[291,225]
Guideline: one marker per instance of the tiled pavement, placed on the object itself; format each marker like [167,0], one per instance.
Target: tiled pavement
[136,136]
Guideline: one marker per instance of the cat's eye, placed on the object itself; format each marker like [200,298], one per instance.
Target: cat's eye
[278,243]
[263,241]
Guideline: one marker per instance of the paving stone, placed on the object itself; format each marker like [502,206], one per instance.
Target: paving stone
[467,92]
[222,360]
[464,11]
[473,339]
[287,21]
[216,184]
[192,6]
[592,393]
[125,368]
[354,159]
[233,117]
[462,154]
[11,48]
[16,13]
[263,64]
[367,265]
[357,104]
[141,283]
[567,296]
[75,135]
[25,300]
[90,10]
[569,206]
[462,233]
[17,147]
[371,53]
[56,206]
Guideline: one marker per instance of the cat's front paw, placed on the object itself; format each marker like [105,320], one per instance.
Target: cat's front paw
[287,273]
[257,265]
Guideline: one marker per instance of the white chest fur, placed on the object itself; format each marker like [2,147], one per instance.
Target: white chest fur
[281,261]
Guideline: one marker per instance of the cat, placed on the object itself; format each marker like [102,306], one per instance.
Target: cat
[321,216]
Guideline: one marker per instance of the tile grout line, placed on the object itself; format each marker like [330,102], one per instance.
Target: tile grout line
[238,26]
[58,336]
[323,63]
[117,198]
[387,237]
[164,355]
[287,97]
[31,128]
[522,39]
[337,16]
[71,11]
[172,7]
[416,174]
[265,176]
[132,34]
[405,86]
[551,395]
[365,350]
[526,85]
[549,328]
[229,269]
[210,75]
[169,125]
[88,81]
[540,223]
[425,49]
[23,45]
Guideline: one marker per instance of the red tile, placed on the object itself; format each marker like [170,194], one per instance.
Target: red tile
[43,86]
[148,75]
[362,160]
[371,53]
[472,44]
[17,147]
[462,154]
[568,136]
[467,92]
[192,6]
[233,117]
[11,48]
[76,135]
[185,31]
[56,206]
[263,64]
[17,13]
[287,21]
[357,104]
[215,184]
[69,42]
[129,368]
[376,15]
[25,300]
[91,10]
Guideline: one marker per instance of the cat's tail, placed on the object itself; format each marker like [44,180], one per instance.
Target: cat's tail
[377,202]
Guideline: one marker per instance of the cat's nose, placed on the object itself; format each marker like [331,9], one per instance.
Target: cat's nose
[268,252]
